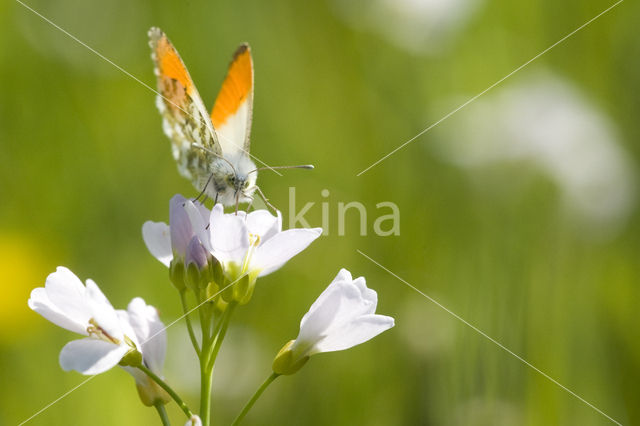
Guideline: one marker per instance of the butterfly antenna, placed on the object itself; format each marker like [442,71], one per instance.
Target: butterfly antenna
[302,166]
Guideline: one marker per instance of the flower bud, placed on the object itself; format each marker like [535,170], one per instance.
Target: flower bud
[150,392]
[217,303]
[200,266]
[240,289]
[196,253]
[193,277]
[217,274]
[176,274]
[212,291]
[286,362]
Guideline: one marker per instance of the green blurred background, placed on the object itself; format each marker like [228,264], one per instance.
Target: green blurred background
[339,83]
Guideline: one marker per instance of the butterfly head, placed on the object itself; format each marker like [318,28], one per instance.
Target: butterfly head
[240,183]
[240,180]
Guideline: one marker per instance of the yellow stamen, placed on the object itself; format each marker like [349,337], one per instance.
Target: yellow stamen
[100,333]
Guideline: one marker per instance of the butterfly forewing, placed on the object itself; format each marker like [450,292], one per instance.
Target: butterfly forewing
[232,111]
[185,119]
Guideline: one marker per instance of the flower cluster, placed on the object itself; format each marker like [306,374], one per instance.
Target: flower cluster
[130,338]
[215,250]
[216,259]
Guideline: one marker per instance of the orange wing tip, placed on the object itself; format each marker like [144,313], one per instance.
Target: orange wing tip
[167,60]
[236,87]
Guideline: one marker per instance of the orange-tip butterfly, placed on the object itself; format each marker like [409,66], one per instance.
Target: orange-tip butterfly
[212,150]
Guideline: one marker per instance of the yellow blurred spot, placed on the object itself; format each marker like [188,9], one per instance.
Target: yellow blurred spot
[22,268]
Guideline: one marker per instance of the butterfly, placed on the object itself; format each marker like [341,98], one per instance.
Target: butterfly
[211,150]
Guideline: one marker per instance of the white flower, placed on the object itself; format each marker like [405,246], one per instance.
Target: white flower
[194,421]
[185,238]
[255,243]
[150,332]
[343,316]
[250,246]
[66,302]
[133,336]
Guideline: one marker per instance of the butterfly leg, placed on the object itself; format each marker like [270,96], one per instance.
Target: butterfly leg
[250,202]
[237,202]
[265,199]
[205,189]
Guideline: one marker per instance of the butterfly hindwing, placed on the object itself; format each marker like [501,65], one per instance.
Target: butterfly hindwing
[185,119]
[233,109]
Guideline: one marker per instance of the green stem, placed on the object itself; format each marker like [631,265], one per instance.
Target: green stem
[254,398]
[205,392]
[192,335]
[205,377]
[167,388]
[163,414]
[220,334]
[210,349]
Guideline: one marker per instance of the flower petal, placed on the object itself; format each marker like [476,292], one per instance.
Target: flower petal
[39,302]
[333,321]
[205,213]
[369,296]
[102,311]
[318,319]
[150,332]
[199,222]
[94,294]
[91,356]
[157,237]
[264,224]
[179,225]
[355,299]
[276,251]
[354,333]
[343,275]
[352,305]
[67,293]
[126,329]
[196,253]
[229,236]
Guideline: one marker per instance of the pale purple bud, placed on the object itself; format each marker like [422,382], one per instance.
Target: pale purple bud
[196,253]
[179,225]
